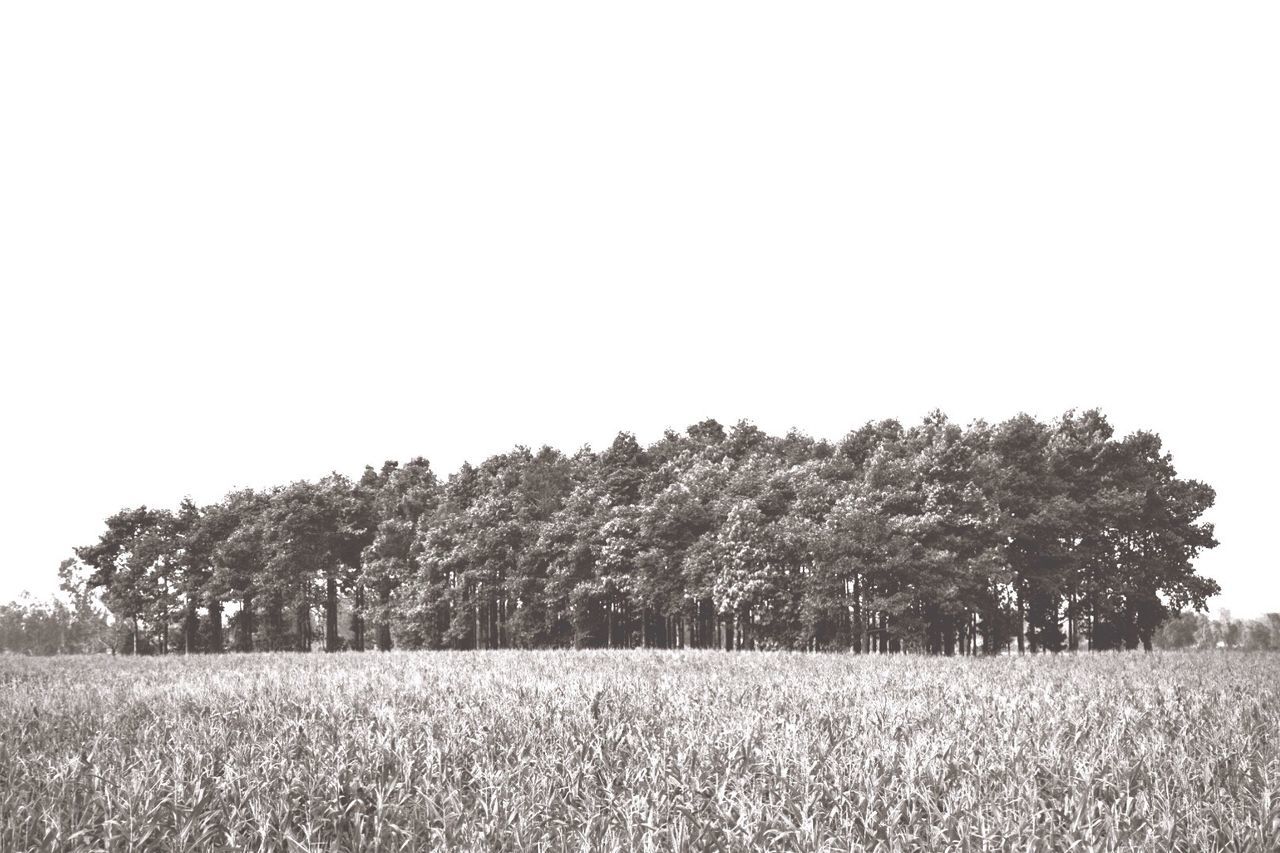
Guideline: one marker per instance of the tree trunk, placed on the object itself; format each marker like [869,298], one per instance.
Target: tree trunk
[495,624]
[1022,635]
[331,614]
[384,626]
[500,621]
[1071,622]
[215,627]
[275,624]
[302,617]
[358,620]
[244,630]
[1093,620]
[858,643]
[191,626]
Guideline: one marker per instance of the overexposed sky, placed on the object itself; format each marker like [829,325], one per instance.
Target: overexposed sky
[248,242]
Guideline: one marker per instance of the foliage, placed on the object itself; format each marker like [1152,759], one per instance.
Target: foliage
[933,538]
[1198,631]
[73,624]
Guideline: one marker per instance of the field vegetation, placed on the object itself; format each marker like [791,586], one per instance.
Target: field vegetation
[640,750]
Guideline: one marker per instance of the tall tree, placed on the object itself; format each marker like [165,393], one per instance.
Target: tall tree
[404,497]
[305,541]
[132,563]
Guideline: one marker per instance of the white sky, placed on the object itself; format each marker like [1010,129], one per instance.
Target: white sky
[248,242]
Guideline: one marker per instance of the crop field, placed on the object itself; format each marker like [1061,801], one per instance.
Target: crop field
[588,751]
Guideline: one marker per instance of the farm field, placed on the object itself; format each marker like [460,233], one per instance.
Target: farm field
[589,751]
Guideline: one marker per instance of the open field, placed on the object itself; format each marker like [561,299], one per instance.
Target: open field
[640,751]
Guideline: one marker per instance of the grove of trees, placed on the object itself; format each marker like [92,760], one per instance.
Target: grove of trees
[933,538]
[1198,631]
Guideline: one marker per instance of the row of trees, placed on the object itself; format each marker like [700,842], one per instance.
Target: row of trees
[52,626]
[933,538]
[1198,631]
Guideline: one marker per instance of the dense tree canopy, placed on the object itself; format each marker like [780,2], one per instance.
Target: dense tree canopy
[932,538]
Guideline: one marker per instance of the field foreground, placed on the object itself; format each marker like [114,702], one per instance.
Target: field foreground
[640,751]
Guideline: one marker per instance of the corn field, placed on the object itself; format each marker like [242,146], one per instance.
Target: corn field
[590,751]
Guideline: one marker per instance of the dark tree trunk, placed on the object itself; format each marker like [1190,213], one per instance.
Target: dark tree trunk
[215,626]
[1130,630]
[191,626]
[384,626]
[331,615]
[503,641]
[859,641]
[275,624]
[244,629]
[495,628]
[1093,620]
[1073,642]
[302,618]
[358,620]
[1022,636]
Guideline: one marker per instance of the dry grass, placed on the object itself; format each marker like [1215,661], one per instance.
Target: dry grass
[640,751]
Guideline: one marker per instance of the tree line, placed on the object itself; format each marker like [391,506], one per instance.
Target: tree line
[933,538]
[1198,631]
[55,626]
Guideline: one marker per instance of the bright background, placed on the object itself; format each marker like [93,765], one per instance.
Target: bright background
[248,242]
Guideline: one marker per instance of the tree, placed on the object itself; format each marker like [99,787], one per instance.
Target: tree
[132,563]
[934,538]
[304,539]
[236,527]
[403,498]
[55,626]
